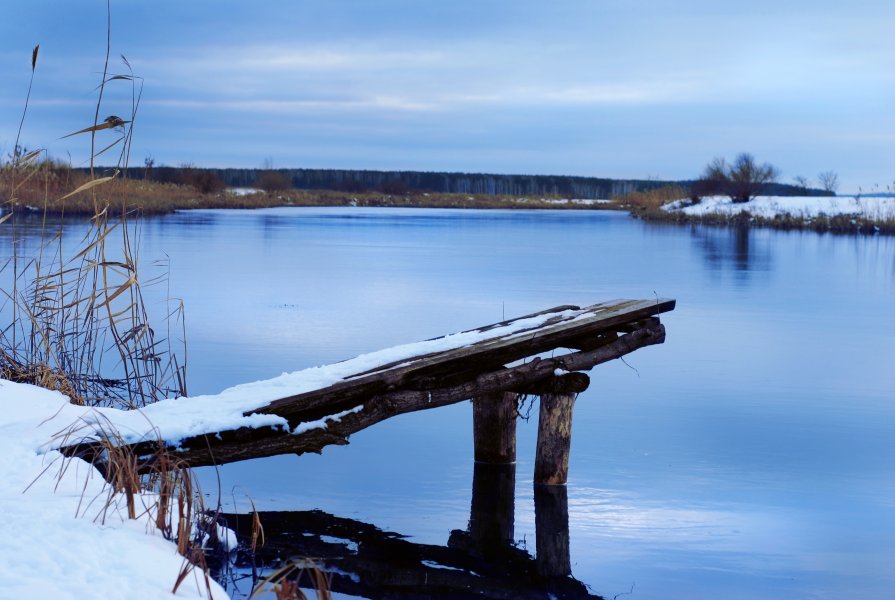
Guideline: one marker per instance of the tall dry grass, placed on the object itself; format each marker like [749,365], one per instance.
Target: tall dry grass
[143,196]
[76,319]
[74,315]
[650,202]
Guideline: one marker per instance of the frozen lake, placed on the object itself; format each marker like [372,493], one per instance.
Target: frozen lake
[751,455]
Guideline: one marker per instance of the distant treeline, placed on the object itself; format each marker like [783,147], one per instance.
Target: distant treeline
[404,182]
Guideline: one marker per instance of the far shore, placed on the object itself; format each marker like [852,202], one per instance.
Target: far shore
[840,214]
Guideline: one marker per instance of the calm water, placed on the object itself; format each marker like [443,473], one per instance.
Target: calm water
[750,455]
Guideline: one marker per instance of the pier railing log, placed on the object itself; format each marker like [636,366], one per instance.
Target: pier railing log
[491,368]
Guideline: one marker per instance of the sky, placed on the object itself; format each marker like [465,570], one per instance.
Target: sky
[606,88]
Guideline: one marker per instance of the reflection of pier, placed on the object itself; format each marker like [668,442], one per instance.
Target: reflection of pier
[479,562]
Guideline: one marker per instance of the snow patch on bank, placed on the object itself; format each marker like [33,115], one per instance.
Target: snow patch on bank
[56,543]
[243,191]
[803,207]
[577,201]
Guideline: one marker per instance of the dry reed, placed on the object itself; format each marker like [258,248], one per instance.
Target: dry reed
[76,320]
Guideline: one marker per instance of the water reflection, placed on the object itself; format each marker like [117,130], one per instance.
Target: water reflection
[734,248]
[482,561]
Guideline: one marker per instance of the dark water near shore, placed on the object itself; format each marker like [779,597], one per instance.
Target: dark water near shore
[751,455]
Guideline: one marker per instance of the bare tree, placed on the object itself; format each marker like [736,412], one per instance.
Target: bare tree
[273,181]
[205,181]
[748,178]
[742,180]
[802,182]
[829,181]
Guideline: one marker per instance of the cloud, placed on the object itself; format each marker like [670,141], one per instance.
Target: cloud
[472,84]
[277,106]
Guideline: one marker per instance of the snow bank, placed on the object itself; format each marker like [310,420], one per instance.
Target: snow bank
[803,207]
[577,201]
[243,191]
[56,543]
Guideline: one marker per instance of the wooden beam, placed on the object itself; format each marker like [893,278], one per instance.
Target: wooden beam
[570,383]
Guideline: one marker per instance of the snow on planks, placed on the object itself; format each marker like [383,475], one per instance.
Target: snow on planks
[478,363]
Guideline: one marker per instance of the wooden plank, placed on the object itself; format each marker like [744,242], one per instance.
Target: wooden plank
[607,314]
[430,371]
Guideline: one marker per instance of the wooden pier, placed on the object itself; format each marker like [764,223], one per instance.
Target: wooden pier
[542,354]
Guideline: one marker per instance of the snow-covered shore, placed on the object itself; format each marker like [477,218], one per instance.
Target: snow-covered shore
[59,540]
[798,207]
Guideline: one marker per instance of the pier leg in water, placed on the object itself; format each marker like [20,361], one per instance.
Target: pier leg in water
[552,531]
[494,427]
[554,438]
[492,514]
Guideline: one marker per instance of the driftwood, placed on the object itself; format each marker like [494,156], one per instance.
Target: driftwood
[430,381]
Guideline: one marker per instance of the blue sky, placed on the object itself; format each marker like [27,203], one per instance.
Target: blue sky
[623,88]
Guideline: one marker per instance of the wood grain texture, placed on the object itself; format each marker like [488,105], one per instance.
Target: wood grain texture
[554,439]
[494,427]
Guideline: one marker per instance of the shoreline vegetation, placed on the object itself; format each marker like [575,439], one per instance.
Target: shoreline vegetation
[44,192]
[76,339]
[868,215]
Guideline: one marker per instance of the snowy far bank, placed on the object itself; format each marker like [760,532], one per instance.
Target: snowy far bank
[800,207]
[59,540]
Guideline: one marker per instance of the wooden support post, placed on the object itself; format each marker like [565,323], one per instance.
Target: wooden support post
[494,427]
[492,514]
[554,439]
[552,531]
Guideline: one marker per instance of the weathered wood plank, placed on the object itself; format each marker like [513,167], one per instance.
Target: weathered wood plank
[430,371]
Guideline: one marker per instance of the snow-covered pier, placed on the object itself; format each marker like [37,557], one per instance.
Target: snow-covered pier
[543,354]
